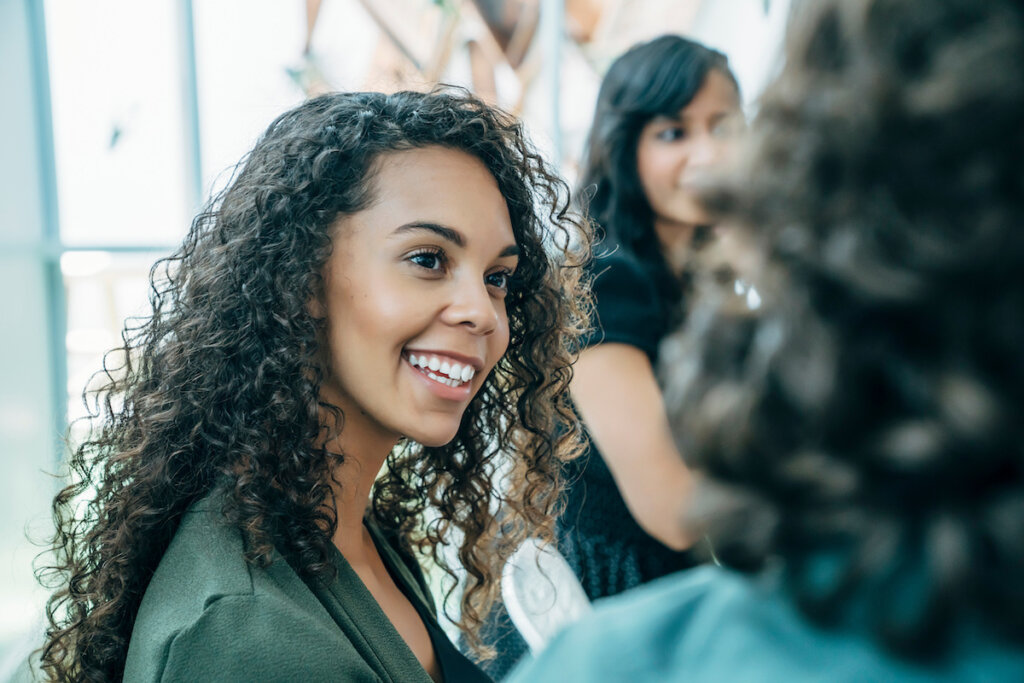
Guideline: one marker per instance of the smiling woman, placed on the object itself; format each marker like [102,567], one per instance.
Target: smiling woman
[384,269]
[422,275]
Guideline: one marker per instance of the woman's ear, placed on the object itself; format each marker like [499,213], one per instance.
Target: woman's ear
[315,307]
[315,304]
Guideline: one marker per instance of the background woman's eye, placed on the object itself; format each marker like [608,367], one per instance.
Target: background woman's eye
[431,260]
[671,134]
[501,280]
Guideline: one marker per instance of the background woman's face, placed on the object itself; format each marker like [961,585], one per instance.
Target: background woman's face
[415,295]
[675,153]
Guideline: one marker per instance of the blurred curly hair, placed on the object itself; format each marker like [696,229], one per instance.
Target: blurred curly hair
[864,428]
[219,386]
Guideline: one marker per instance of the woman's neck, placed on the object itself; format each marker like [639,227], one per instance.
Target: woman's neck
[675,239]
[364,451]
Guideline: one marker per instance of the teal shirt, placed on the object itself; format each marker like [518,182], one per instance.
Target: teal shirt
[208,615]
[710,625]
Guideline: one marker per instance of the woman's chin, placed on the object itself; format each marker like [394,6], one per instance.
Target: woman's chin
[434,438]
[688,211]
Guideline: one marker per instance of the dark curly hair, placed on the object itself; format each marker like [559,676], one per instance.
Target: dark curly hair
[219,386]
[655,78]
[864,428]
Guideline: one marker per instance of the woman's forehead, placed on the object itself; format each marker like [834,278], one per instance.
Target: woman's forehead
[436,186]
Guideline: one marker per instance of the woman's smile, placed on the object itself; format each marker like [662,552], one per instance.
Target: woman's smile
[447,377]
[444,367]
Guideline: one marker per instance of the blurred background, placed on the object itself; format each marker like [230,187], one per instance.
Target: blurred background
[123,116]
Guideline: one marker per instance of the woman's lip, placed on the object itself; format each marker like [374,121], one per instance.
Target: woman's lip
[476,363]
[459,393]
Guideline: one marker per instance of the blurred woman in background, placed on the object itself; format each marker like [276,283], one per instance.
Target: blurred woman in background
[860,434]
[667,117]
[376,293]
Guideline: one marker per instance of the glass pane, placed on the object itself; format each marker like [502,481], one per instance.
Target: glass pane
[244,49]
[116,81]
[102,290]
[30,446]
[251,63]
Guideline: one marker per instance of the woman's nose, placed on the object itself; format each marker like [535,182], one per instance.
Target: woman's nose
[706,150]
[473,307]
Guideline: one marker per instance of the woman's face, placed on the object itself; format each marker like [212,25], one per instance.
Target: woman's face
[415,296]
[675,153]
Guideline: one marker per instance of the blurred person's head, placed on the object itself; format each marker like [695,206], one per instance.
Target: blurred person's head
[667,115]
[863,431]
[365,237]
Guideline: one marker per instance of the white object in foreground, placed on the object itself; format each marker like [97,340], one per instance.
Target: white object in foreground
[541,593]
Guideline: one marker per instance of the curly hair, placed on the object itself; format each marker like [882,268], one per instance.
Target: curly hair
[219,386]
[655,78]
[863,428]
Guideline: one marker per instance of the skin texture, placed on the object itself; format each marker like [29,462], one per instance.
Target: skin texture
[391,286]
[614,386]
[618,397]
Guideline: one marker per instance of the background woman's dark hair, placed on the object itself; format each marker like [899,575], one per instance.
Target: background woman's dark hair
[656,78]
[219,387]
[864,428]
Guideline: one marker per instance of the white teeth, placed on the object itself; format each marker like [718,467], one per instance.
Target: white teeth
[443,380]
[443,371]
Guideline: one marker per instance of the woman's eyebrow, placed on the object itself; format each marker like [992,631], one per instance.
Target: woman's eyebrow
[713,116]
[667,118]
[450,234]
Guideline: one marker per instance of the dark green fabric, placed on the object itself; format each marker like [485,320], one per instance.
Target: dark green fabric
[208,615]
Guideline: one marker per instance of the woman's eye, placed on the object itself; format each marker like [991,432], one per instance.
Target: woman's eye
[500,280]
[431,260]
[671,134]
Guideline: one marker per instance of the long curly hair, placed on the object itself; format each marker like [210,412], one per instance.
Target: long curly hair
[219,387]
[655,78]
[863,428]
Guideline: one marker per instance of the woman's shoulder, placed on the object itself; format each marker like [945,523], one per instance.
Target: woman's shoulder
[624,637]
[614,267]
[712,624]
[206,554]
[627,304]
[208,612]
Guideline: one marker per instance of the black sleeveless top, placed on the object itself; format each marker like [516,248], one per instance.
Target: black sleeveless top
[609,551]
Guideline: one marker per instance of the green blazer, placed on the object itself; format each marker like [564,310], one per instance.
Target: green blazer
[207,615]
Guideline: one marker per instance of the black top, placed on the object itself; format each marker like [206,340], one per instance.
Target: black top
[609,551]
[455,666]
[629,308]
